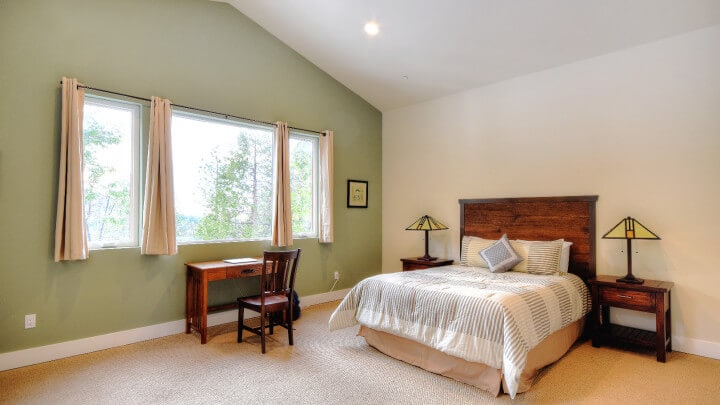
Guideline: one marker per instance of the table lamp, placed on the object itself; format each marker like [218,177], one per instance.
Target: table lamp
[426,223]
[629,228]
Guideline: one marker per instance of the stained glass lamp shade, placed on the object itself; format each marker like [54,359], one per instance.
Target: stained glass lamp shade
[629,228]
[426,223]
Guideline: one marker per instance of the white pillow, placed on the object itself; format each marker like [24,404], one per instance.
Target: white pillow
[565,257]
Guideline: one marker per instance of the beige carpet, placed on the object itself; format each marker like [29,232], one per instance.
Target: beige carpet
[338,368]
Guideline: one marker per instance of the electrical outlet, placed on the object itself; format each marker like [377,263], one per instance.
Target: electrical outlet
[30,321]
[337,275]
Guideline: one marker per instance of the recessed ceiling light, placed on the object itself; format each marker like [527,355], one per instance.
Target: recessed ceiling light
[372,28]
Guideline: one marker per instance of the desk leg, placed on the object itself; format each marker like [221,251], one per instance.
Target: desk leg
[203,310]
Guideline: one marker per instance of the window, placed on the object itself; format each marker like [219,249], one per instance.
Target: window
[223,173]
[223,179]
[303,183]
[111,130]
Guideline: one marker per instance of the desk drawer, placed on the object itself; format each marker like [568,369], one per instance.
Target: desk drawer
[249,271]
[216,274]
[640,300]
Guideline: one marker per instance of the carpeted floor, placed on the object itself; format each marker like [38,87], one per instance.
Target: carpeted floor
[338,368]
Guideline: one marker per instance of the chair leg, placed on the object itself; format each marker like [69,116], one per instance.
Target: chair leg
[289,325]
[241,315]
[262,330]
[272,323]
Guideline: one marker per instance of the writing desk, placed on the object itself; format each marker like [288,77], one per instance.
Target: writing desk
[198,276]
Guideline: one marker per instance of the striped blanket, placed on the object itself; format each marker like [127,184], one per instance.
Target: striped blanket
[468,312]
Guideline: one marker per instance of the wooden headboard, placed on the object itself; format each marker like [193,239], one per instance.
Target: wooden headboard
[537,218]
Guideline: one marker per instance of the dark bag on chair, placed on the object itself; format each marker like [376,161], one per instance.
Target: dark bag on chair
[296,306]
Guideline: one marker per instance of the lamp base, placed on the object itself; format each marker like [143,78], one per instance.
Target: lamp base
[427,258]
[630,279]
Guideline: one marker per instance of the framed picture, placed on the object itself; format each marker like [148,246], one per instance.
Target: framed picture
[357,194]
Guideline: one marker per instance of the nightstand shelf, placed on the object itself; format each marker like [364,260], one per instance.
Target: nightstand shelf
[634,336]
[413,263]
[652,296]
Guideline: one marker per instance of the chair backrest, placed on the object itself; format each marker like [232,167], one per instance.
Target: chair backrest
[278,275]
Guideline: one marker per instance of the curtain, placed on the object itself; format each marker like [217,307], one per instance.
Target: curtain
[71,242]
[326,187]
[282,219]
[159,210]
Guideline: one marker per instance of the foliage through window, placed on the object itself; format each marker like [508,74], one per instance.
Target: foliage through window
[110,170]
[223,174]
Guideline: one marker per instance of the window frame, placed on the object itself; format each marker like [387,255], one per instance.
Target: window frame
[134,220]
[315,139]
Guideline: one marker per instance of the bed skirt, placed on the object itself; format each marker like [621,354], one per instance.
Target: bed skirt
[476,374]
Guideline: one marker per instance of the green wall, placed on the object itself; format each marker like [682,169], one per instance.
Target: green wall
[194,52]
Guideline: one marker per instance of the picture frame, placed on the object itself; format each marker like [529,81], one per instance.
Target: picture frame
[357,194]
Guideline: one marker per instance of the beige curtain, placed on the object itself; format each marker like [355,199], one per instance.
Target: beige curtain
[71,241]
[326,187]
[282,219]
[159,210]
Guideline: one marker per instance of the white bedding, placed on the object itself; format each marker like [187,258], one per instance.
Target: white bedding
[468,312]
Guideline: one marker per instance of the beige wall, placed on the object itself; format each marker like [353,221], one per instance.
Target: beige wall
[640,128]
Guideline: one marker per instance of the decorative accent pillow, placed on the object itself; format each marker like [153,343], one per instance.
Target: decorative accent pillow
[542,257]
[500,256]
[470,251]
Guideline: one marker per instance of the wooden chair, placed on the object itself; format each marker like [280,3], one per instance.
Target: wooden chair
[275,302]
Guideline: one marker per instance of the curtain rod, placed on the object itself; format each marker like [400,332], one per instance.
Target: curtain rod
[196,109]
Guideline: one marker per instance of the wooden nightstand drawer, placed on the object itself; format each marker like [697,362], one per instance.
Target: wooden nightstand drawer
[412,266]
[412,263]
[640,300]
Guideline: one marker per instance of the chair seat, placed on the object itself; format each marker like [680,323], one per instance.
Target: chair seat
[270,301]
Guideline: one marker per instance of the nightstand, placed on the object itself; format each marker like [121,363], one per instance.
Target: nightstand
[412,263]
[652,296]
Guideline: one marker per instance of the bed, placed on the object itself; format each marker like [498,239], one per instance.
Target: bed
[491,330]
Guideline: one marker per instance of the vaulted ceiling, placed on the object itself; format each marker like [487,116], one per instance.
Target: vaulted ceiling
[428,49]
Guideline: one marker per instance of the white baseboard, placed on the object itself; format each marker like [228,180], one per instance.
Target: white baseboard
[697,347]
[322,298]
[26,357]
[35,355]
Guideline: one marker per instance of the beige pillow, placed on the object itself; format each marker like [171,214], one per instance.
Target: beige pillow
[540,257]
[522,250]
[470,251]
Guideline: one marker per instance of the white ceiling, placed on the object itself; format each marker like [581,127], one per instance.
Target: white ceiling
[431,48]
